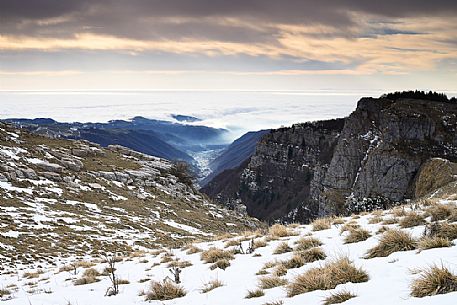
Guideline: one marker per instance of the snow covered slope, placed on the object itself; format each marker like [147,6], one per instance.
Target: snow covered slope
[300,250]
[62,198]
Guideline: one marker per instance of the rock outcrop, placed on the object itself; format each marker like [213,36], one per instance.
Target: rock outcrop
[323,168]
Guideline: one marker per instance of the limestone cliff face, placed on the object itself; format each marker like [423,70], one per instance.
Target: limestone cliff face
[368,160]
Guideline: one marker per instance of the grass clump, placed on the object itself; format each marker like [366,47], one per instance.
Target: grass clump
[322,224]
[442,229]
[211,285]
[356,235]
[434,242]
[282,248]
[302,257]
[278,230]
[85,280]
[221,264]
[259,243]
[280,302]
[280,270]
[193,249]
[338,297]
[268,282]
[4,292]
[213,255]
[349,226]
[375,219]
[333,273]
[165,291]
[392,241]
[432,281]
[439,211]
[306,243]
[91,272]
[412,219]
[179,264]
[254,293]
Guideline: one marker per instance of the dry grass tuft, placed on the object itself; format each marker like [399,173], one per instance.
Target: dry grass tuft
[434,242]
[282,248]
[213,255]
[439,211]
[443,230]
[322,224]
[412,219]
[211,285]
[389,221]
[231,243]
[165,291]
[221,264]
[255,293]
[338,297]
[338,221]
[392,241]
[306,243]
[91,272]
[280,270]
[278,230]
[349,226]
[280,302]
[193,249]
[302,257]
[375,219]
[4,292]
[179,264]
[85,281]
[333,273]
[356,235]
[432,281]
[268,282]
[259,243]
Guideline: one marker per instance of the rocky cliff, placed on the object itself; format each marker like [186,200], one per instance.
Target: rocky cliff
[368,160]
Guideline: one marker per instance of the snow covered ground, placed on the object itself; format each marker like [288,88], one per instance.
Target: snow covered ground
[389,277]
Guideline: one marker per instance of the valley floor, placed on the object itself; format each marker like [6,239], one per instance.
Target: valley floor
[389,278]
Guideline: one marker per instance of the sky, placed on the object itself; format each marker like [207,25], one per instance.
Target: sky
[228,45]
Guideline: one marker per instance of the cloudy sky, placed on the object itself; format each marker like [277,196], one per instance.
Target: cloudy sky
[228,44]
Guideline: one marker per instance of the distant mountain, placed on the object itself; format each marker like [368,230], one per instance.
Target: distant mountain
[168,140]
[234,155]
[185,118]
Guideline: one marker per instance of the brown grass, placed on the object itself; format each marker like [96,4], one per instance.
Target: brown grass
[349,226]
[306,243]
[375,219]
[179,264]
[268,282]
[213,255]
[278,230]
[282,248]
[338,297]
[221,264]
[392,241]
[85,281]
[302,257]
[434,242]
[193,249]
[356,235]
[338,221]
[280,270]
[211,285]
[322,224]
[91,272]
[432,281]
[280,302]
[443,230]
[4,292]
[412,219]
[254,293]
[165,291]
[259,243]
[231,243]
[439,211]
[389,221]
[333,273]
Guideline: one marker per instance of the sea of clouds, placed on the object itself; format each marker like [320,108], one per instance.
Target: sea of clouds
[237,111]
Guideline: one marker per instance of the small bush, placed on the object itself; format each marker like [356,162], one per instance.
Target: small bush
[212,255]
[255,293]
[221,264]
[412,219]
[282,248]
[268,282]
[356,235]
[307,243]
[165,291]
[432,281]
[434,242]
[322,224]
[333,273]
[439,211]
[213,284]
[338,297]
[278,230]
[392,241]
